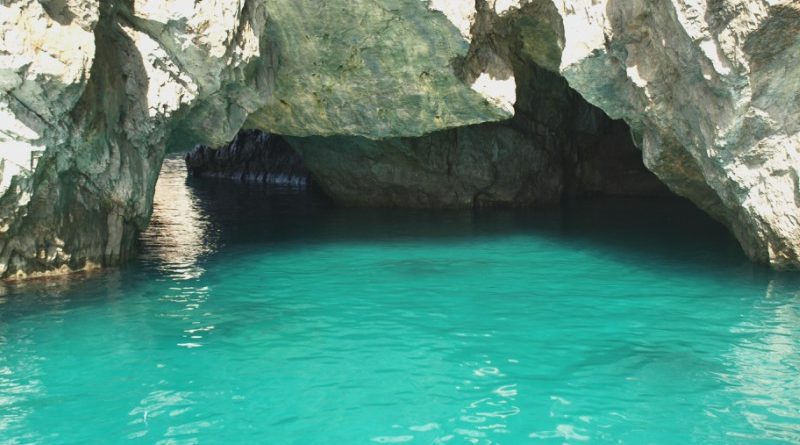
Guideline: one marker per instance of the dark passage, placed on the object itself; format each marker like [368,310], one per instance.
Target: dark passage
[253,156]
[666,230]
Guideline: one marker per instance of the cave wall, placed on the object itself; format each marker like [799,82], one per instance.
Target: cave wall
[556,146]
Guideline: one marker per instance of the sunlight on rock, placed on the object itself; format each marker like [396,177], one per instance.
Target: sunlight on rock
[168,87]
[500,92]
[461,13]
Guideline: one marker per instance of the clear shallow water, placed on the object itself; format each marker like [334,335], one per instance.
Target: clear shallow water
[259,316]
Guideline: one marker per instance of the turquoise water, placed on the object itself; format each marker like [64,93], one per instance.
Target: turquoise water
[265,316]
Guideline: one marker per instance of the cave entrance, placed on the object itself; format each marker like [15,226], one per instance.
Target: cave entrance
[560,169]
[557,147]
[259,193]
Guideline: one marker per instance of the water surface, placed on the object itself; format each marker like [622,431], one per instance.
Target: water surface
[267,316]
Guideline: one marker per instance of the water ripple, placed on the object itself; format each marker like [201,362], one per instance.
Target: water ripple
[256,316]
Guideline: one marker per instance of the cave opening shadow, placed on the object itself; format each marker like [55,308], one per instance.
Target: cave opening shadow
[201,223]
[203,220]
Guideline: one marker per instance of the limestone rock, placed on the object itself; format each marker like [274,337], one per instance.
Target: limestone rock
[711,88]
[370,68]
[99,87]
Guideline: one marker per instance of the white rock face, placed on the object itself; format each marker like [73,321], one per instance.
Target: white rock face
[712,89]
[102,89]
[709,88]
[45,59]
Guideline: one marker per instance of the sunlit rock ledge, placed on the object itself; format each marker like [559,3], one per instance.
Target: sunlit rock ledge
[100,91]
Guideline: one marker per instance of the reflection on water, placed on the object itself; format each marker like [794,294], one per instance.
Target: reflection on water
[767,365]
[179,232]
[265,313]
[18,384]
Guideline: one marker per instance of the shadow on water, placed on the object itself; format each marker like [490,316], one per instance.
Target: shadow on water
[199,223]
[667,233]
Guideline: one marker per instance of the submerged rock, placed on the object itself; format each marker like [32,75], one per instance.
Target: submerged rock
[99,91]
[253,156]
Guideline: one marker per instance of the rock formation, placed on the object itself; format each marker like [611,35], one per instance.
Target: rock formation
[556,146]
[98,91]
[711,90]
[253,157]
